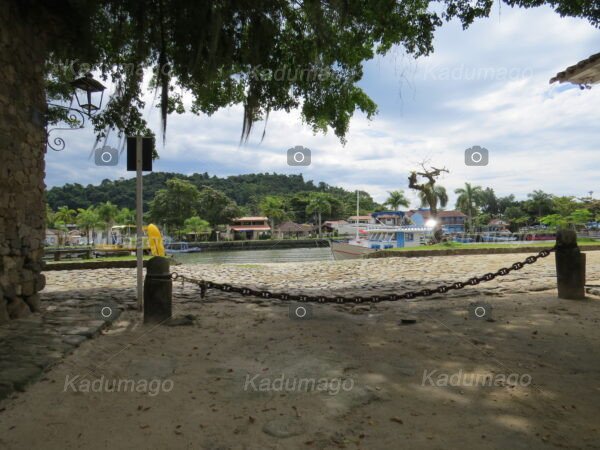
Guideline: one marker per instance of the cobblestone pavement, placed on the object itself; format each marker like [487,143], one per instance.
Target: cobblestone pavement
[78,305]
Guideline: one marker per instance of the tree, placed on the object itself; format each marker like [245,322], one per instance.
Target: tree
[429,194]
[274,208]
[177,202]
[564,205]
[318,204]
[108,214]
[50,217]
[540,202]
[125,216]
[440,195]
[516,216]
[397,199]
[195,225]
[469,199]
[62,229]
[216,207]
[489,202]
[65,215]
[88,219]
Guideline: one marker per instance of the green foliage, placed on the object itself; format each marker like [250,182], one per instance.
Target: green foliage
[87,220]
[397,199]
[274,208]
[173,205]
[216,207]
[231,52]
[65,215]
[195,225]
[468,201]
[440,196]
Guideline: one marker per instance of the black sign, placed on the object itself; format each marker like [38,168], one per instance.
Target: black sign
[147,147]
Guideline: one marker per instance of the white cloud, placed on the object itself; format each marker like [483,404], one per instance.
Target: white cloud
[539,136]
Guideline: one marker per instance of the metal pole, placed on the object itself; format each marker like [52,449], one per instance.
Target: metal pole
[357,211]
[139,250]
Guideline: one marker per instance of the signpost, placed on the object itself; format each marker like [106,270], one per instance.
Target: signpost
[139,158]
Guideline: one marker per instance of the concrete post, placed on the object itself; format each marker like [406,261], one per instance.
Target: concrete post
[570,266]
[158,290]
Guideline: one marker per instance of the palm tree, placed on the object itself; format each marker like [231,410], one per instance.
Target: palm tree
[433,198]
[65,215]
[88,219]
[541,201]
[318,203]
[397,199]
[469,198]
[195,225]
[108,212]
[274,208]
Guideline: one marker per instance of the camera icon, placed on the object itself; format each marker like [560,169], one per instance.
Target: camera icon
[480,311]
[477,156]
[300,311]
[106,156]
[298,156]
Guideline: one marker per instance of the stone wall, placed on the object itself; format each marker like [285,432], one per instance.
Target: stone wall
[22,149]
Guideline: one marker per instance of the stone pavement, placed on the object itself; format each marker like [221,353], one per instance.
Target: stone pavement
[79,305]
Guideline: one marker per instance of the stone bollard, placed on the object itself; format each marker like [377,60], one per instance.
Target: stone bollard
[570,266]
[158,290]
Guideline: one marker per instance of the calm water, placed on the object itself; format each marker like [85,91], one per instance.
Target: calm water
[273,255]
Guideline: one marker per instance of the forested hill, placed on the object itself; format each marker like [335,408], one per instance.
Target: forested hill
[246,190]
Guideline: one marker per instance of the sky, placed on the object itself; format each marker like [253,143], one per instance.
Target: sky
[486,86]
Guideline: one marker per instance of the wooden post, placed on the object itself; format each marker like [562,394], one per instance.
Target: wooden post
[158,291]
[570,266]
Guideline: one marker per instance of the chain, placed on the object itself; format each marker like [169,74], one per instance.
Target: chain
[205,285]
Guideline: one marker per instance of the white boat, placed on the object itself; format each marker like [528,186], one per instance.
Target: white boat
[377,238]
[180,247]
[500,236]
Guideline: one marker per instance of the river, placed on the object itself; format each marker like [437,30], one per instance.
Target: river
[272,255]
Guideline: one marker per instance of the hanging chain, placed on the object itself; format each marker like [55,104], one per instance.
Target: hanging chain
[204,285]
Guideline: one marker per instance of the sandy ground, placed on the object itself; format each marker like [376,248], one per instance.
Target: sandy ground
[392,392]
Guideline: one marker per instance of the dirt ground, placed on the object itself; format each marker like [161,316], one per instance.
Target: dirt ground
[393,393]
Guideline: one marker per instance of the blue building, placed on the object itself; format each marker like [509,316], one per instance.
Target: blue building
[451,221]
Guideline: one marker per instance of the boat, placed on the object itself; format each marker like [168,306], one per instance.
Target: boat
[499,236]
[180,247]
[378,238]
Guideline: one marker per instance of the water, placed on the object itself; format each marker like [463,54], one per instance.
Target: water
[273,255]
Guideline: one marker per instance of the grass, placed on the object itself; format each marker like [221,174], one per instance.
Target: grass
[460,245]
[101,259]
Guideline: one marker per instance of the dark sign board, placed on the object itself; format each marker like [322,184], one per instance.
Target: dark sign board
[147,147]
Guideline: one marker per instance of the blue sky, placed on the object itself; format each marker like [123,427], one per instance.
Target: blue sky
[485,86]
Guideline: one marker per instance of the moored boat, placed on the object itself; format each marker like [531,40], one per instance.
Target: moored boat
[181,247]
[380,238]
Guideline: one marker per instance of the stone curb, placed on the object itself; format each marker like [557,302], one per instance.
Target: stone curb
[461,252]
[91,265]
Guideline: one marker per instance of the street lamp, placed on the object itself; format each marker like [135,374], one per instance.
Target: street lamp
[86,90]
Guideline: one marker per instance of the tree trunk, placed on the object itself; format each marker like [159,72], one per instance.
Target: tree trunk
[22,149]
[319,224]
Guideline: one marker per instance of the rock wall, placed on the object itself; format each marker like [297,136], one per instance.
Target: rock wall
[22,149]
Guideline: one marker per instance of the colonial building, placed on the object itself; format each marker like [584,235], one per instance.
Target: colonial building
[289,230]
[248,228]
[393,218]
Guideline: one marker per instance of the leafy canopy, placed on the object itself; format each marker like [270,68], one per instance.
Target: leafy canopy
[267,55]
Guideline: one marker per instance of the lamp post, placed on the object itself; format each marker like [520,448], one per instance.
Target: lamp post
[85,91]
